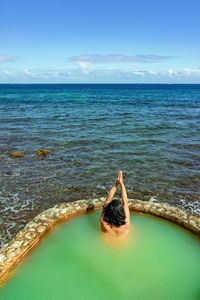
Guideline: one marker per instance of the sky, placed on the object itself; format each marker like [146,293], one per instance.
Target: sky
[93,41]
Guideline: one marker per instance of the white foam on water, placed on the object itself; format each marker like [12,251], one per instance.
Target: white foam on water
[153,199]
[101,186]
[13,211]
[193,207]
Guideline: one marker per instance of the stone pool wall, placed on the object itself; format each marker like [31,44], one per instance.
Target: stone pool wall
[30,236]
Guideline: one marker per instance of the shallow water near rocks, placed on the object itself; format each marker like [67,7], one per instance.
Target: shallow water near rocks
[159,261]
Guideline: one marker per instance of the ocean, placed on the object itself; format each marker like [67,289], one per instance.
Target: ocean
[149,131]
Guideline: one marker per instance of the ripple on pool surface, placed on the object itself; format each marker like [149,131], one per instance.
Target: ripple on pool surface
[160,261]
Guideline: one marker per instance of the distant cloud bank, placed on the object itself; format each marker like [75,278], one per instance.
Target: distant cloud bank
[84,69]
[101,75]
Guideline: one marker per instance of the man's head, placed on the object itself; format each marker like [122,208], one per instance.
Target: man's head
[114,213]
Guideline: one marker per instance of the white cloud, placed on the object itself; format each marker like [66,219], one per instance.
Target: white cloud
[184,73]
[139,73]
[7,58]
[82,64]
[173,73]
[189,71]
[153,72]
[142,72]
[27,72]
[8,73]
[110,59]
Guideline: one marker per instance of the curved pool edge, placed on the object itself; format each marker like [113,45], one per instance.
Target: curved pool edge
[36,229]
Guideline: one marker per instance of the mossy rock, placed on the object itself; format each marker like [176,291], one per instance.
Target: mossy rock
[43,152]
[17,154]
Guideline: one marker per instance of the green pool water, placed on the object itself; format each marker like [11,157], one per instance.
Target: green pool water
[159,261]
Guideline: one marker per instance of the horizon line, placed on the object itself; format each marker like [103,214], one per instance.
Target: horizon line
[97,83]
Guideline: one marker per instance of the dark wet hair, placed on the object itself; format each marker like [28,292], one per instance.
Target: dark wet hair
[113,213]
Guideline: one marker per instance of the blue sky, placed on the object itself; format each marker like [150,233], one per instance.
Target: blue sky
[99,41]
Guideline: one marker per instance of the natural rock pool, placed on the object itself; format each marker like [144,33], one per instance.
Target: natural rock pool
[160,260]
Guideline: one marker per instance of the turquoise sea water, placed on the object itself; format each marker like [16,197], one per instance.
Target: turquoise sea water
[151,132]
[158,261]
